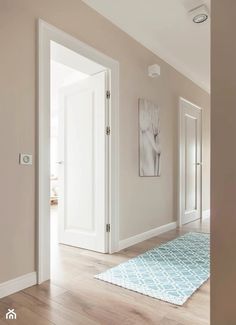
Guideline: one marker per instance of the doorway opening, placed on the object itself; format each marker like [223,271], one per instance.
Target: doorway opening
[79,162]
[77,148]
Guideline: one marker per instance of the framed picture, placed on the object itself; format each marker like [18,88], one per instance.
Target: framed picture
[149,139]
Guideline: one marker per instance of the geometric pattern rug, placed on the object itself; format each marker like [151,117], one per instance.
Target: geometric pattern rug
[171,272]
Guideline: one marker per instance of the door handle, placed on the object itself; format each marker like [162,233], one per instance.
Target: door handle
[60,162]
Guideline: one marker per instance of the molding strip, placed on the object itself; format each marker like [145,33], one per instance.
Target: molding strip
[22,282]
[146,235]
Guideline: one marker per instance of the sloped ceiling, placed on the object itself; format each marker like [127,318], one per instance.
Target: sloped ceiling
[165,27]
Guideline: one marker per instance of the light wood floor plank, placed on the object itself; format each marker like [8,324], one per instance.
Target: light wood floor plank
[74,297]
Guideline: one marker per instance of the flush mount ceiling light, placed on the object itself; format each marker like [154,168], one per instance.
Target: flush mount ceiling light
[199,14]
[200,18]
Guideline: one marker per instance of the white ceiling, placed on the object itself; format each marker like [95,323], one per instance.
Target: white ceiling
[164,27]
[73,60]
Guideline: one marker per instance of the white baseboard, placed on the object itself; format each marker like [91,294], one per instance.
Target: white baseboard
[206,214]
[22,282]
[146,235]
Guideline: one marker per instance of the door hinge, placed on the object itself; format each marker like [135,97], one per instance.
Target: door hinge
[108,130]
[108,227]
[108,94]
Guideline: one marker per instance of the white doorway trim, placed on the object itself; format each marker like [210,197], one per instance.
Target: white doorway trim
[180,152]
[46,34]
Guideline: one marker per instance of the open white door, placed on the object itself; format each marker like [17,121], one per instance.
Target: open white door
[190,162]
[83,164]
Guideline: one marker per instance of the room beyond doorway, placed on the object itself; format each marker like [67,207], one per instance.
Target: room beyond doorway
[82,79]
[79,148]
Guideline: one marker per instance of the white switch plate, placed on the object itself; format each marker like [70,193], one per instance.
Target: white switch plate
[26,159]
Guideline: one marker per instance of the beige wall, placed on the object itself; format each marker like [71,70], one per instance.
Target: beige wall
[223,176]
[145,203]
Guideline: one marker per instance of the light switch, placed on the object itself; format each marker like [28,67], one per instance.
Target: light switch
[25,159]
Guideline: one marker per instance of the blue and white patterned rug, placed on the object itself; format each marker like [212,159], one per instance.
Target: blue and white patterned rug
[171,272]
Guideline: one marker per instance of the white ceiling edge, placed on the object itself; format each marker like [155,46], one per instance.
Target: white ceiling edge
[163,55]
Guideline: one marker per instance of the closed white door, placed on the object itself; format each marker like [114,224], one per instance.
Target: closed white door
[83,164]
[190,162]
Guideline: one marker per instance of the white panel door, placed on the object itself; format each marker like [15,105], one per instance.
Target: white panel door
[83,164]
[190,162]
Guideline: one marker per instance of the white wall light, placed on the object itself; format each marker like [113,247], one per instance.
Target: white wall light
[154,71]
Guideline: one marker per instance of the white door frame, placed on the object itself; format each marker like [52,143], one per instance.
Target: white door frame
[46,34]
[180,151]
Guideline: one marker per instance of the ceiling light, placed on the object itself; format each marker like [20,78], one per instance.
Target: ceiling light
[199,14]
[200,18]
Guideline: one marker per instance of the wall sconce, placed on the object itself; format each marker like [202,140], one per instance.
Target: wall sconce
[154,71]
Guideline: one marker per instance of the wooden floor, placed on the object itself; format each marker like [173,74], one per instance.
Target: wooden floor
[73,296]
